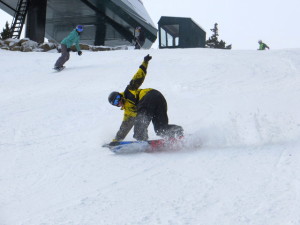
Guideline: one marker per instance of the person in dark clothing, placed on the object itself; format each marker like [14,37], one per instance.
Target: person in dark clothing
[141,106]
[139,38]
[262,46]
[71,39]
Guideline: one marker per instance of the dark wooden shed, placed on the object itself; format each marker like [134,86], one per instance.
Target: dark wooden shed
[180,32]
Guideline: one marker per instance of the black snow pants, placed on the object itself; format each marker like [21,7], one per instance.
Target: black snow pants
[153,107]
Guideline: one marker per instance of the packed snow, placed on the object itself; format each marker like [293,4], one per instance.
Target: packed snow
[240,111]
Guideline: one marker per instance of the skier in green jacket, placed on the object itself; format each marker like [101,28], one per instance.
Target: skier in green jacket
[71,39]
[262,46]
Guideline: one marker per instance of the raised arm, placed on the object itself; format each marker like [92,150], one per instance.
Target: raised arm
[140,75]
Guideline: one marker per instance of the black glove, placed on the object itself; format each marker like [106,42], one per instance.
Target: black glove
[147,58]
[113,143]
[79,52]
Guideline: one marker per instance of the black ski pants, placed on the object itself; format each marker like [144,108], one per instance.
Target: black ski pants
[153,107]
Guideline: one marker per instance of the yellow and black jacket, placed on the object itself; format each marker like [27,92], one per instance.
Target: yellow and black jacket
[131,97]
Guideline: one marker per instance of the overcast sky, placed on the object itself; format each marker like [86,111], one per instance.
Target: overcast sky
[241,22]
[3,18]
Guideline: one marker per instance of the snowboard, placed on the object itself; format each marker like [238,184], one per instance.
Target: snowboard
[60,69]
[159,145]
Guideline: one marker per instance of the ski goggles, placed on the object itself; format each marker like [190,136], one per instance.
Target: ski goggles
[117,100]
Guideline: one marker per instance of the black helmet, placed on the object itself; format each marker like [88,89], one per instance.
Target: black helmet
[113,96]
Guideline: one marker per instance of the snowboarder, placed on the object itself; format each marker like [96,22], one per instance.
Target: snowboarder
[139,38]
[141,106]
[262,46]
[71,39]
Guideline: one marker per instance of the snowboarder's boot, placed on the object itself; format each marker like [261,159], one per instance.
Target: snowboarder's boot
[59,68]
[173,131]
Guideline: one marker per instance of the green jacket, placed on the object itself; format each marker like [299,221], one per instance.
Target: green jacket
[263,46]
[72,38]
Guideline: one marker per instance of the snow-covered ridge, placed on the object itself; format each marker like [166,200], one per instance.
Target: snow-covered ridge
[242,106]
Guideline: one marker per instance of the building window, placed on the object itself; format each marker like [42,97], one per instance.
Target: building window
[169,35]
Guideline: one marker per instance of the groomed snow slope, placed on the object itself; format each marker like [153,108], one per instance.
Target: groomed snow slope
[242,106]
